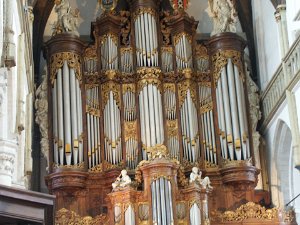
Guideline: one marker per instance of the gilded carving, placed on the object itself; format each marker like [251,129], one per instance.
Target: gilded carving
[206,108]
[141,11]
[77,166]
[183,88]
[201,52]
[64,216]
[172,128]
[107,88]
[130,128]
[57,61]
[220,60]
[165,29]
[97,169]
[126,27]
[90,52]
[148,76]
[177,37]
[182,180]
[158,151]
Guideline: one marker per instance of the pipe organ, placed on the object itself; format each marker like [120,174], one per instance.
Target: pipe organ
[146,96]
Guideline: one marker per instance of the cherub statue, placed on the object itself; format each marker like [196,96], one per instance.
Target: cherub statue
[122,180]
[224,15]
[195,177]
[67,19]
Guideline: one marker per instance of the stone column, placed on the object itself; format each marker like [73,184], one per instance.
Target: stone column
[280,16]
[8,43]
[7,147]
[292,108]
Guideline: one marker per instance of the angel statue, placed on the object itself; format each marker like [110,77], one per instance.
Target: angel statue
[195,177]
[66,18]
[223,14]
[122,180]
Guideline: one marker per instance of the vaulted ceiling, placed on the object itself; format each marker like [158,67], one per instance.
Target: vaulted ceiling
[42,11]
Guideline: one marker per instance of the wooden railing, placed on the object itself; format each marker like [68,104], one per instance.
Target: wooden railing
[285,78]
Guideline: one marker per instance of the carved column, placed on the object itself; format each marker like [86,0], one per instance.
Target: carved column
[8,146]
[294,122]
[8,43]
[280,16]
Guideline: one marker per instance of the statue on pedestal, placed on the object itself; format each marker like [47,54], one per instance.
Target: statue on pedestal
[224,15]
[195,177]
[123,180]
[66,18]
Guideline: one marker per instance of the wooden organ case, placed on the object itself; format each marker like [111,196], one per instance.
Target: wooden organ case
[146,97]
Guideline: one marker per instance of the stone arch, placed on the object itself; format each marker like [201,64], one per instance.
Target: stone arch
[283,162]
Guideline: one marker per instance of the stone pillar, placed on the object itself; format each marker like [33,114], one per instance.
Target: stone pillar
[7,147]
[292,108]
[280,16]
[8,56]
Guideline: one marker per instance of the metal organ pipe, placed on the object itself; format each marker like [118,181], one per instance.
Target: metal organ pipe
[227,112]
[67,112]
[55,130]
[74,116]
[234,112]
[60,117]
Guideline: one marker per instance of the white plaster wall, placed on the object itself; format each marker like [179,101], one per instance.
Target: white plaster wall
[277,185]
[266,40]
[293,10]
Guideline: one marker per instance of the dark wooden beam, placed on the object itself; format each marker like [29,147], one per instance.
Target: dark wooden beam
[244,9]
[41,11]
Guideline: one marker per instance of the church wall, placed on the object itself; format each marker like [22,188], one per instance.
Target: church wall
[268,56]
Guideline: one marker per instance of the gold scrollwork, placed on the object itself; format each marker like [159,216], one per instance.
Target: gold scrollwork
[183,88]
[93,111]
[64,216]
[115,88]
[90,53]
[148,76]
[201,51]
[104,37]
[158,151]
[206,108]
[96,169]
[57,61]
[177,37]
[249,210]
[130,128]
[172,128]
[128,87]
[77,166]
[169,86]
[192,202]
[220,60]
[141,11]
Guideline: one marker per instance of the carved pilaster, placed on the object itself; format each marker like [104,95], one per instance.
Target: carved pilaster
[8,56]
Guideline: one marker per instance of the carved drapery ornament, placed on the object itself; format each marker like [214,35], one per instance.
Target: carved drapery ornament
[149,76]
[220,60]
[57,61]
[64,216]
[252,211]
[41,115]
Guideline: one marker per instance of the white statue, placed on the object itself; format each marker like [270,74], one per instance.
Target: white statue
[195,177]
[66,18]
[224,15]
[41,115]
[122,180]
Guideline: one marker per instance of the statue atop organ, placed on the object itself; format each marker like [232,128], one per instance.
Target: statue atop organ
[148,100]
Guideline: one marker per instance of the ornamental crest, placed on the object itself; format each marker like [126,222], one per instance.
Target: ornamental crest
[108,5]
